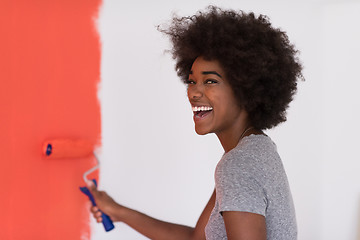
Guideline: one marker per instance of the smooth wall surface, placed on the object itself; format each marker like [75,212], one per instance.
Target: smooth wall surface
[341,117]
[50,68]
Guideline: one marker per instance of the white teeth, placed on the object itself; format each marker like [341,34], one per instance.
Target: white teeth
[202,108]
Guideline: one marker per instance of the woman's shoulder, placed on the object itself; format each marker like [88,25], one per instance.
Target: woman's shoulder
[255,146]
[253,153]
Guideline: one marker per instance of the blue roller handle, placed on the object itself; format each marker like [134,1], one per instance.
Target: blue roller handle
[108,224]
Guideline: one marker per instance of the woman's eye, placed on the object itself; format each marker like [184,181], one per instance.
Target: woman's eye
[189,82]
[210,81]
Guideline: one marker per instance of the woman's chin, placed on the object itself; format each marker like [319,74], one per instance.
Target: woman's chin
[200,131]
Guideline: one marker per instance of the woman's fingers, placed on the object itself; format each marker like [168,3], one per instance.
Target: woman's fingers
[96,213]
[94,209]
[103,201]
[98,195]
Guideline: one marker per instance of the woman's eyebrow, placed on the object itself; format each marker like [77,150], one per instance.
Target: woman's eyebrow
[208,72]
[212,72]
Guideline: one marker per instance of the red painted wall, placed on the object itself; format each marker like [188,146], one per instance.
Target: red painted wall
[50,68]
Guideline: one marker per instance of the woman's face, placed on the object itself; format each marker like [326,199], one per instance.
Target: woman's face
[212,99]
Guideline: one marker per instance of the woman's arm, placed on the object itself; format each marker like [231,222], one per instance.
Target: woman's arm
[244,225]
[146,225]
[199,231]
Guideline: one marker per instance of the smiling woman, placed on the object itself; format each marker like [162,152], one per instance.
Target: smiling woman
[208,89]
[241,74]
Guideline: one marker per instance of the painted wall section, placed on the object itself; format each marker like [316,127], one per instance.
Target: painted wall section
[50,68]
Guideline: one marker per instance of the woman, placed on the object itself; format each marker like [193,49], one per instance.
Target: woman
[241,75]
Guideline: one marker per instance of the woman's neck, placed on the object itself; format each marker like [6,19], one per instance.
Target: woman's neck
[230,139]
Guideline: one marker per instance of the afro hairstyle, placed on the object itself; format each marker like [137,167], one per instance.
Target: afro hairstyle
[259,61]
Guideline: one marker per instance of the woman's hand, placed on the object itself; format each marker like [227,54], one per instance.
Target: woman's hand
[104,203]
[144,224]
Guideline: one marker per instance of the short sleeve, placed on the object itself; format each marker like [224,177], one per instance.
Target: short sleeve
[237,184]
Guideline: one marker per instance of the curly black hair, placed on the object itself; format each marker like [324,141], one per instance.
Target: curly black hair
[259,62]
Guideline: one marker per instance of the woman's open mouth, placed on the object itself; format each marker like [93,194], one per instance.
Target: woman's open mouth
[201,112]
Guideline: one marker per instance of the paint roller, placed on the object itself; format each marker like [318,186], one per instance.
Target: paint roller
[66,148]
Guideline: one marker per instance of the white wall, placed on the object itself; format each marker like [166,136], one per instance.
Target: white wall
[341,117]
[153,161]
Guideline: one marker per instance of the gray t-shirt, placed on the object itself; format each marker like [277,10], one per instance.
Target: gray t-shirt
[251,178]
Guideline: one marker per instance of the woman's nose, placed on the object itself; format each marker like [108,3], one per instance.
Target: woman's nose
[195,92]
